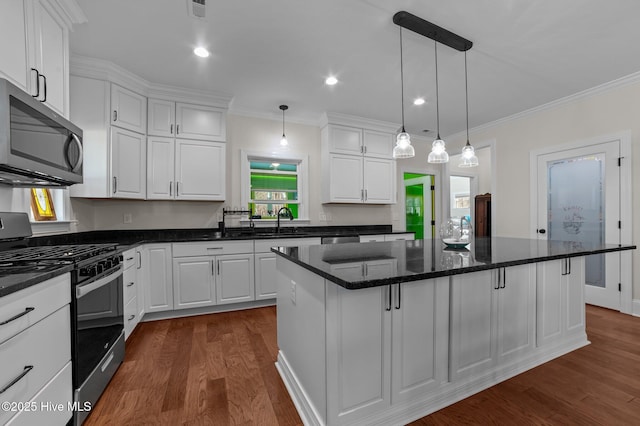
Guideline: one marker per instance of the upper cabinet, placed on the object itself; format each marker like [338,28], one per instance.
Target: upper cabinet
[128,109]
[358,162]
[186,121]
[34,41]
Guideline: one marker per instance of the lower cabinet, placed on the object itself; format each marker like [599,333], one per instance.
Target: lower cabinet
[155,266]
[560,309]
[492,318]
[384,345]
[130,287]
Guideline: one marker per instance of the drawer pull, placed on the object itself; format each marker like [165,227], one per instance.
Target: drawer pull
[129,258]
[21,314]
[214,248]
[27,368]
[131,317]
[130,284]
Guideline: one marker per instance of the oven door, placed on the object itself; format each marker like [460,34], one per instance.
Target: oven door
[99,320]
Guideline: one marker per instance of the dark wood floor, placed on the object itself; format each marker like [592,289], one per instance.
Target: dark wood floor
[219,370]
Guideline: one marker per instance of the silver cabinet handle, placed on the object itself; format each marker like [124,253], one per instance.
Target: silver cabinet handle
[115,115]
[171,129]
[130,258]
[177,189]
[218,261]
[130,284]
[365,149]
[177,129]
[44,78]
[366,195]
[27,368]
[388,308]
[139,259]
[170,188]
[115,184]
[131,317]
[498,283]
[399,296]
[213,272]
[37,95]
[504,277]
[15,317]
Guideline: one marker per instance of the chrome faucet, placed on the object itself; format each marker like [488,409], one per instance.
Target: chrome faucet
[290,213]
[462,233]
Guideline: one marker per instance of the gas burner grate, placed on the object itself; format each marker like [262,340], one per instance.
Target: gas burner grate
[58,253]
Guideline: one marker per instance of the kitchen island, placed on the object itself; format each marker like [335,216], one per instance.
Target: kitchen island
[385,333]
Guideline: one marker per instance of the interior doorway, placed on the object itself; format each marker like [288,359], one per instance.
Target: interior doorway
[420,196]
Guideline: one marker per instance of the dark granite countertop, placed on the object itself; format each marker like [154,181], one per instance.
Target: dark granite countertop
[404,261]
[10,283]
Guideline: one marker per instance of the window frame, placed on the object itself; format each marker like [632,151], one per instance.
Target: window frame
[283,157]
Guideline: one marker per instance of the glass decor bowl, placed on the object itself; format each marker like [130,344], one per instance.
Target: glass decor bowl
[456,233]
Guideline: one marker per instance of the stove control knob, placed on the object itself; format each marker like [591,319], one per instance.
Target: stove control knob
[108,264]
[99,268]
[116,261]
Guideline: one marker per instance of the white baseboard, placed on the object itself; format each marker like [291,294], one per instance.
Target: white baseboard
[180,313]
[636,308]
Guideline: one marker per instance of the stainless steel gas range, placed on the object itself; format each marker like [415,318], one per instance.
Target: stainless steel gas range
[97,332]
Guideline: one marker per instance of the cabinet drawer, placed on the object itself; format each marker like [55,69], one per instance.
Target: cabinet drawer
[46,347]
[130,316]
[130,287]
[56,393]
[34,303]
[264,246]
[212,248]
[128,258]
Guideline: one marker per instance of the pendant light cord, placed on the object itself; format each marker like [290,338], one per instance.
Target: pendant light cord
[466,93]
[435,43]
[283,122]
[401,82]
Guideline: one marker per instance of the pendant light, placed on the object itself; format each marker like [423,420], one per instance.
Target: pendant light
[403,148]
[469,158]
[438,152]
[283,141]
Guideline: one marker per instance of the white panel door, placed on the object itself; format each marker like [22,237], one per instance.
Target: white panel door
[13,42]
[265,273]
[345,140]
[200,170]
[160,165]
[378,144]
[161,118]
[200,122]
[157,269]
[358,352]
[193,282]
[235,278]
[52,42]
[379,181]
[128,109]
[345,174]
[128,164]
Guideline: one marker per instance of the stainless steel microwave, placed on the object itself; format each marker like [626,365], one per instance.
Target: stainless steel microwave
[38,147]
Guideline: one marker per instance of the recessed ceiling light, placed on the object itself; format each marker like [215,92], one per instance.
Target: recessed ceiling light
[418,101]
[330,81]
[201,51]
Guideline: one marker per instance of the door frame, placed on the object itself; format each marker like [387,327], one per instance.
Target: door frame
[626,208]
[402,196]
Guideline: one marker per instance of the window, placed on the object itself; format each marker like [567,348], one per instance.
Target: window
[462,201]
[271,183]
[53,221]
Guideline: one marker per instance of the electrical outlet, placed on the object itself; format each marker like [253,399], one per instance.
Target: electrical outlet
[127,218]
[293,292]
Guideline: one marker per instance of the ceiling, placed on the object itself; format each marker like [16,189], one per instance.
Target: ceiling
[270,52]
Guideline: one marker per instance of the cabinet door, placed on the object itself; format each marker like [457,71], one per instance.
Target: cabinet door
[420,344]
[345,176]
[200,170]
[473,323]
[193,282]
[379,181]
[128,164]
[235,278]
[52,41]
[358,353]
[345,140]
[128,109]
[378,144]
[200,122]
[161,118]
[160,163]
[14,61]
[265,273]
[140,282]
[157,266]
[516,312]
[575,304]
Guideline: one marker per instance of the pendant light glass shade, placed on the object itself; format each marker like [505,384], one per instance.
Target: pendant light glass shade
[438,152]
[403,148]
[469,158]
[283,141]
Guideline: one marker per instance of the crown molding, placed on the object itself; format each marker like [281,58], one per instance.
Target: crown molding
[71,11]
[101,69]
[352,120]
[274,116]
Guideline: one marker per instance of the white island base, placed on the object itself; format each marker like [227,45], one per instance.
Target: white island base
[392,354]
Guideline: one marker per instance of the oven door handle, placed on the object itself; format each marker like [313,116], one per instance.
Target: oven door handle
[83,290]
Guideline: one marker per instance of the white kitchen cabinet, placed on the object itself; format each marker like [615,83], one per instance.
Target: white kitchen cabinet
[128,159]
[34,41]
[156,266]
[130,291]
[186,121]
[356,141]
[378,144]
[160,168]
[212,273]
[385,345]
[200,170]
[367,270]
[128,109]
[492,318]
[379,180]
[561,306]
